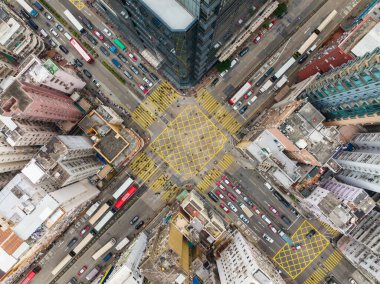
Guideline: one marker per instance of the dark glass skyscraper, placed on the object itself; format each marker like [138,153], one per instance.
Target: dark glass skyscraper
[184,35]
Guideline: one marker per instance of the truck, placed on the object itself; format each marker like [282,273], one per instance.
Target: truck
[92,209]
[122,243]
[266,86]
[262,79]
[74,21]
[92,274]
[104,248]
[283,69]
[103,221]
[281,82]
[246,210]
[38,6]
[27,8]
[116,63]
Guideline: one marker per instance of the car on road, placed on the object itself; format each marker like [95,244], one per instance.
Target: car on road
[237,190]
[258,212]
[243,109]
[59,27]
[220,185]
[237,105]
[214,82]
[87,73]
[226,181]
[48,16]
[107,32]
[266,219]
[270,25]
[281,233]
[91,39]
[104,50]
[139,225]
[143,89]
[129,76]
[78,63]
[231,196]
[149,83]
[134,69]
[98,34]
[25,14]
[233,208]
[258,38]
[134,220]
[143,68]
[286,220]
[294,211]
[220,195]
[213,197]
[224,207]
[297,246]
[32,24]
[248,201]
[87,23]
[116,63]
[96,82]
[64,49]
[244,219]
[52,43]
[84,230]
[274,211]
[54,33]
[122,57]
[72,242]
[131,56]
[267,185]
[352,281]
[274,230]
[73,280]
[82,270]
[310,234]
[267,238]
[153,77]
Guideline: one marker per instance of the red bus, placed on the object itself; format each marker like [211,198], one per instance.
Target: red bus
[28,278]
[81,50]
[126,196]
[240,93]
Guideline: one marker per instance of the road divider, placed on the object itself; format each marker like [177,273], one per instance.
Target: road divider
[113,71]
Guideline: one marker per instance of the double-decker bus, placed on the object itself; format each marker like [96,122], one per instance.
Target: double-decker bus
[81,50]
[119,44]
[99,214]
[126,196]
[27,8]
[74,21]
[240,93]
[122,188]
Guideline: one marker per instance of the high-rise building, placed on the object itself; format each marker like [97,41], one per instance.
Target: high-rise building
[242,263]
[62,161]
[16,38]
[360,161]
[6,70]
[14,158]
[27,101]
[47,73]
[349,94]
[184,35]
[27,132]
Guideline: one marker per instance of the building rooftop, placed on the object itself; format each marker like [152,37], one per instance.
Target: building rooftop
[369,42]
[170,12]
[111,145]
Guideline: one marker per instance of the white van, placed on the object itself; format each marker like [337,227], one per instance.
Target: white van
[268,186]
[68,36]
[252,100]
[44,33]
[234,62]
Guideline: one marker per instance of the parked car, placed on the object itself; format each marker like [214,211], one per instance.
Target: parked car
[213,197]
[149,83]
[258,212]
[143,68]
[59,27]
[134,69]
[104,50]
[48,16]
[84,230]
[226,181]
[134,220]
[87,23]
[82,270]
[258,38]
[64,49]
[54,33]
[139,225]
[237,105]
[107,32]
[129,76]
[244,219]
[52,43]
[220,185]
[237,190]
[286,220]
[266,219]
[274,211]
[98,34]
[231,196]
[244,51]
[248,201]
[87,73]
[274,230]
[243,109]
[107,257]
[72,242]
[267,238]
[91,39]
[122,57]
[153,77]
[143,89]
[248,94]
[352,281]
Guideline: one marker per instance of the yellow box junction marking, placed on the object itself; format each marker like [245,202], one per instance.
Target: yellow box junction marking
[211,105]
[78,4]
[189,142]
[143,166]
[215,173]
[324,270]
[295,262]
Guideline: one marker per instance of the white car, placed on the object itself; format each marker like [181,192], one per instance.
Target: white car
[352,281]
[266,219]
[233,208]
[237,191]
[96,82]
[149,83]
[54,33]
[267,238]
[281,233]
[107,32]
[237,105]
[274,230]
[242,217]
